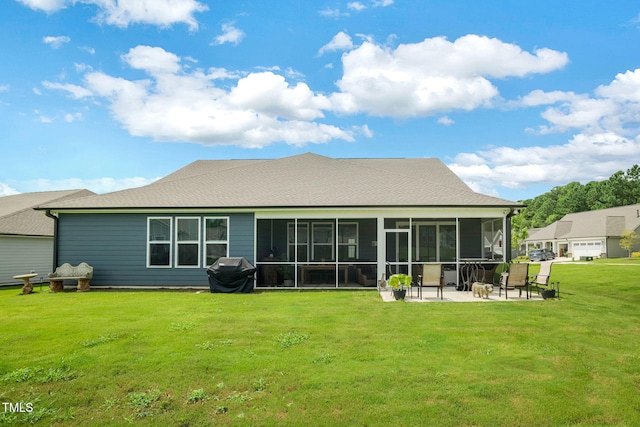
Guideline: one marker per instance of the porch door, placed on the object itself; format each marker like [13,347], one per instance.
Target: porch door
[397,251]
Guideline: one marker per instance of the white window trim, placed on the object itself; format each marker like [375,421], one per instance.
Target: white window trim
[179,242]
[169,242]
[213,242]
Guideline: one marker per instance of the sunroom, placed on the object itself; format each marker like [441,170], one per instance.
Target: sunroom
[353,250]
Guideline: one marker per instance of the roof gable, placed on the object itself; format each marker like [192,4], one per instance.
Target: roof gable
[598,223]
[17,216]
[306,180]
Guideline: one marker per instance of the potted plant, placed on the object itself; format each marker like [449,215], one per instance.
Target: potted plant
[287,275]
[399,283]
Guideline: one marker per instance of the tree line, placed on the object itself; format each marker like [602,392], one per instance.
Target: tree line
[622,188]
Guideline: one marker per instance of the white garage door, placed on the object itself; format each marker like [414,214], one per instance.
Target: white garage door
[587,249]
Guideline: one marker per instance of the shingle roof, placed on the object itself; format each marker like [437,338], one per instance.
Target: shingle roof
[306,180]
[599,223]
[17,216]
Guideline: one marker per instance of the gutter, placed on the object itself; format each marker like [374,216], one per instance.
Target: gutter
[55,237]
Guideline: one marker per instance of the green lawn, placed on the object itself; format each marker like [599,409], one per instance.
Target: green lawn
[325,358]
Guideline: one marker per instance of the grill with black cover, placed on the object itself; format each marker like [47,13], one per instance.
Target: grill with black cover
[231,275]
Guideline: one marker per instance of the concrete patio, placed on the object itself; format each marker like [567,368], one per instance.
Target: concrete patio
[451,295]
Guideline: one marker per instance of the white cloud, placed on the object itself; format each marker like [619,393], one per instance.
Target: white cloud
[364,130]
[154,60]
[46,5]
[230,34]
[615,107]
[356,5]
[75,90]
[583,158]
[179,104]
[341,41]
[7,190]
[81,68]
[123,13]
[4,88]
[332,13]
[580,114]
[56,42]
[607,140]
[434,75]
[70,118]
[625,87]
[270,94]
[539,97]
[447,121]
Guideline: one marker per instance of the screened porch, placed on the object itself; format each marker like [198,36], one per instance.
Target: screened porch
[354,252]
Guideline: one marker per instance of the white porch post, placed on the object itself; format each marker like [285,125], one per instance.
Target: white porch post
[381,245]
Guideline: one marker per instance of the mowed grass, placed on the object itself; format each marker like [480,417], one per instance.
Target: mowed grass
[325,358]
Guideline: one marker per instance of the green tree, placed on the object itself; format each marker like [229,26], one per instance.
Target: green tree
[622,188]
[519,231]
[629,240]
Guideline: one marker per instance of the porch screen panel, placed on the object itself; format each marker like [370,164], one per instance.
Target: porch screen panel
[298,242]
[322,241]
[275,250]
[357,240]
[447,243]
[272,240]
[425,242]
[470,238]
[347,241]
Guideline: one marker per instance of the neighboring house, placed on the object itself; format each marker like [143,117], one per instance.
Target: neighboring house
[26,235]
[587,234]
[312,220]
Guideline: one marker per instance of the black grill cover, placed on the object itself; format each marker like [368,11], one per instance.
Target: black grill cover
[231,275]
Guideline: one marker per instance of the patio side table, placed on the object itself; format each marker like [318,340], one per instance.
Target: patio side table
[27,288]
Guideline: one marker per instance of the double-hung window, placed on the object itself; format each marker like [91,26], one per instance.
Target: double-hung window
[216,235]
[183,242]
[159,241]
[188,242]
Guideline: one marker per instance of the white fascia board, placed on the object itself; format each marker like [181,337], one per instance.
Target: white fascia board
[391,212]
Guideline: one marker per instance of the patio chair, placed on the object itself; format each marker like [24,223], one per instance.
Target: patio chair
[431,277]
[516,278]
[541,280]
[486,275]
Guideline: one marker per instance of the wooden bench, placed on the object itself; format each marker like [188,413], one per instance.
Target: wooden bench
[83,273]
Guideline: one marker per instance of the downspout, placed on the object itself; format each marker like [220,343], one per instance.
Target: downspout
[55,238]
[507,243]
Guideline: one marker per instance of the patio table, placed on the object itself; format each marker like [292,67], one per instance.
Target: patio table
[27,288]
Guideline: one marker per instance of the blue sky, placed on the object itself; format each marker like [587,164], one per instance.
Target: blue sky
[515,97]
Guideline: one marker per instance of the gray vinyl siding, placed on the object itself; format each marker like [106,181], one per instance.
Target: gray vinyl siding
[115,245]
[23,254]
[241,232]
[614,249]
